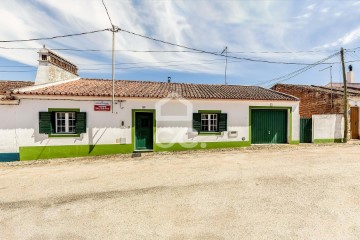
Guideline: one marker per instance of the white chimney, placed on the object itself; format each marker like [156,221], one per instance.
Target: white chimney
[350,78]
[53,68]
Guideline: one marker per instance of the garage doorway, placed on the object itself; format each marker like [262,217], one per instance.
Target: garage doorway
[269,126]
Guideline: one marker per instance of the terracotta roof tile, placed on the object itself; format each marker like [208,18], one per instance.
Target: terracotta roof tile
[334,90]
[9,85]
[145,89]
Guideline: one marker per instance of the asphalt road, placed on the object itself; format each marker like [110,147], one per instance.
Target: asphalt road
[276,192]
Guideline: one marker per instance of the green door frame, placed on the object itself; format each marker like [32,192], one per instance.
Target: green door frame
[289,124]
[133,140]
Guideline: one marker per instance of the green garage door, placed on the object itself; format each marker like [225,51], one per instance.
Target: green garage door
[268,126]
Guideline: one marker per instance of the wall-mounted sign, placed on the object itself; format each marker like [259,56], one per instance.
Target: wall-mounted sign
[102,107]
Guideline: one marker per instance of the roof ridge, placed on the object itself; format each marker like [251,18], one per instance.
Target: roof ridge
[160,82]
[147,89]
[287,95]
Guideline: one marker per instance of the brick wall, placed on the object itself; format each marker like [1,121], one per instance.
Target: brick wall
[313,101]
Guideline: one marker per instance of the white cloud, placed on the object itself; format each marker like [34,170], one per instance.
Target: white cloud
[348,38]
[311,7]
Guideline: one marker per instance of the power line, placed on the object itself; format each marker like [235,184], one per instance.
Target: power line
[149,51]
[14,66]
[107,13]
[207,52]
[157,51]
[297,72]
[125,63]
[282,52]
[49,38]
[17,71]
[169,65]
[166,51]
[135,63]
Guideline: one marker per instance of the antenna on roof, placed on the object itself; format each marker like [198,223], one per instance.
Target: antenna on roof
[169,79]
[331,84]
[226,52]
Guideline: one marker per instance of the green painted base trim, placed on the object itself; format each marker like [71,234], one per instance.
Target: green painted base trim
[159,147]
[48,152]
[294,142]
[338,140]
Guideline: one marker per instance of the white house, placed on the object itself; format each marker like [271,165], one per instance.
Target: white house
[63,115]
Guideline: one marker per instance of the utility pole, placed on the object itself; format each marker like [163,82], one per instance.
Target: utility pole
[113,68]
[346,109]
[114,29]
[226,53]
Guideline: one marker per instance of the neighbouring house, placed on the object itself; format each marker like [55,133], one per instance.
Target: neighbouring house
[75,116]
[316,101]
[350,81]
[6,88]
[8,147]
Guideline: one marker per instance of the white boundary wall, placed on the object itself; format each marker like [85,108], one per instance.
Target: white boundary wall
[328,126]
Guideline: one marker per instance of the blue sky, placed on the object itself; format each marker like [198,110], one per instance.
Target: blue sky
[242,25]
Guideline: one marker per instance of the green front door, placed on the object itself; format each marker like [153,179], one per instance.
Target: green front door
[143,131]
[268,126]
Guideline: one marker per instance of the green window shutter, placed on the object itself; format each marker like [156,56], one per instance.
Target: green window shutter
[80,122]
[197,122]
[45,122]
[222,122]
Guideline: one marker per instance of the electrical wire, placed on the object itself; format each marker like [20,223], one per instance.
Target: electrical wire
[282,52]
[145,51]
[14,66]
[107,13]
[204,62]
[49,38]
[295,73]
[135,63]
[162,66]
[17,71]
[207,52]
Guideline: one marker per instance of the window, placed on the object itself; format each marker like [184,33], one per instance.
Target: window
[209,122]
[65,122]
[44,57]
[62,122]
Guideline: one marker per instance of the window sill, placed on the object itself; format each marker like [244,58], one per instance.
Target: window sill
[63,135]
[209,133]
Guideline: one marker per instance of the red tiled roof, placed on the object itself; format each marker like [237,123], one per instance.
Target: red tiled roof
[9,85]
[326,89]
[144,89]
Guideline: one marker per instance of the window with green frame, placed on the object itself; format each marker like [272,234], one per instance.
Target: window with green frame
[62,122]
[210,121]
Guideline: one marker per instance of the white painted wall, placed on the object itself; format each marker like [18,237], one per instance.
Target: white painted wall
[9,142]
[19,123]
[328,126]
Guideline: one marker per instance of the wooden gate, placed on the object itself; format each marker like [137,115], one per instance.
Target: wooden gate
[305,130]
[354,120]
